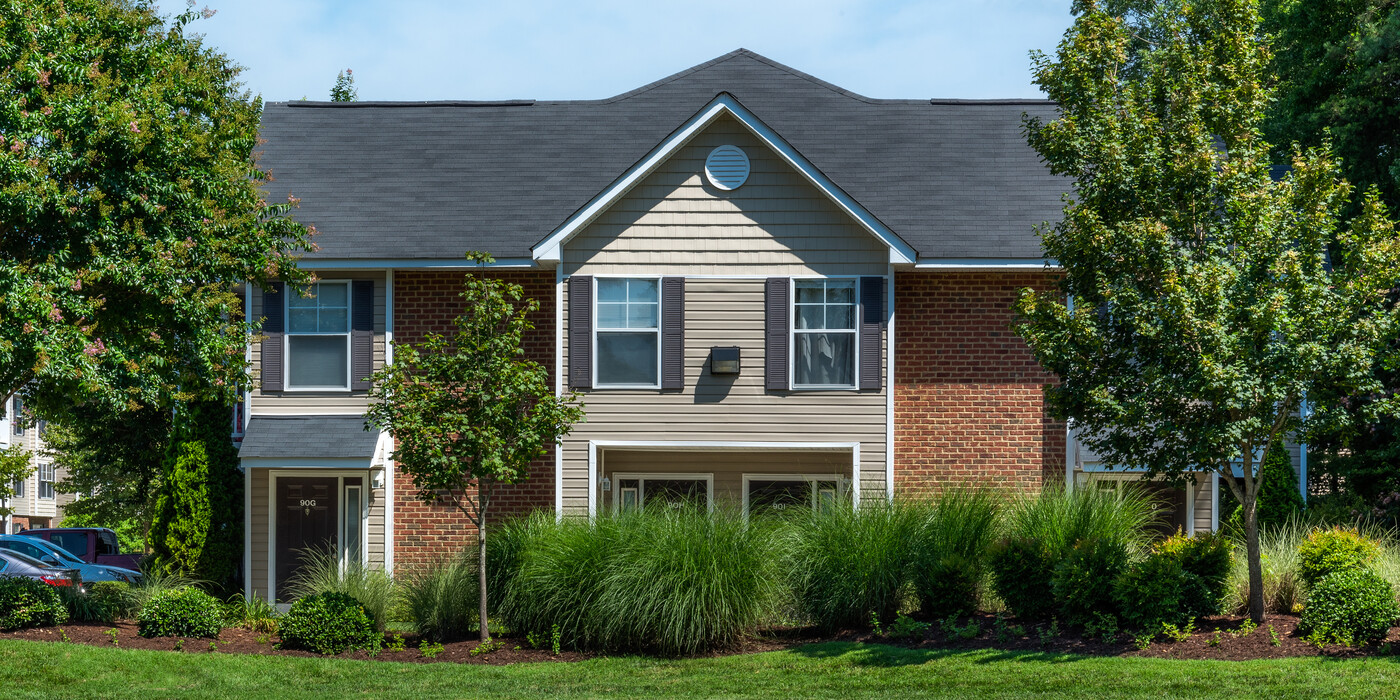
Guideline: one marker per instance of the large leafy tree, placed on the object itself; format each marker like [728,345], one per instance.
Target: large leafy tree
[470,412]
[1338,67]
[114,459]
[1206,299]
[130,203]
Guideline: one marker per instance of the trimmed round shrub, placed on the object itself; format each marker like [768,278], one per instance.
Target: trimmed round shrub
[25,602]
[1153,591]
[182,612]
[1022,571]
[1327,552]
[1208,557]
[329,623]
[1080,581]
[1352,606]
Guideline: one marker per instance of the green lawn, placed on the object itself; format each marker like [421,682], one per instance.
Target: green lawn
[38,669]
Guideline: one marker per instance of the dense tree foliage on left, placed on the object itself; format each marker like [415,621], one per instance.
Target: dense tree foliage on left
[130,203]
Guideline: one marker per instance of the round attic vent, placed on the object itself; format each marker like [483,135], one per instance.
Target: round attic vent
[727,167]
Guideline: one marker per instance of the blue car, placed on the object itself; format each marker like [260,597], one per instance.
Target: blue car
[53,555]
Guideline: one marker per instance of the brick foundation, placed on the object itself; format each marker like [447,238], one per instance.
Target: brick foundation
[969,398]
[427,302]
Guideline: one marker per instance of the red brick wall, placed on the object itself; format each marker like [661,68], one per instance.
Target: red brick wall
[427,302]
[969,401]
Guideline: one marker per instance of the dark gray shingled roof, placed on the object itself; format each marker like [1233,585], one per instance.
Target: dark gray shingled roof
[308,436]
[953,178]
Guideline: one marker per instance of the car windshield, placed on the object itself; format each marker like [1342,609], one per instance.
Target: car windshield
[62,554]
[24,559]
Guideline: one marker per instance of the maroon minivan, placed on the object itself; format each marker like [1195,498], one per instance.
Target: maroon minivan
[94,545]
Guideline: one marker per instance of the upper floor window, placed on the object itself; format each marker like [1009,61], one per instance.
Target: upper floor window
[18,488]
[46,479]
[628,333]
[318,337]
[824,333]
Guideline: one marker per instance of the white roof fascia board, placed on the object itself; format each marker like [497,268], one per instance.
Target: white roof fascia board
[550,248]
[409,264]
[985,264]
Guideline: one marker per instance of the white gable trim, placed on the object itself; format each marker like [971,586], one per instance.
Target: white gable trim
[550,249]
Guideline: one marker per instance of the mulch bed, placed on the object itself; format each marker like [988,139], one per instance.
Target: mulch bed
[1219,638]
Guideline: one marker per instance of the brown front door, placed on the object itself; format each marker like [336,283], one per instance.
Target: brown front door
[306,519]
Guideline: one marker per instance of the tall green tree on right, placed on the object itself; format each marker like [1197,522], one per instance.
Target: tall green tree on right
[1201,300]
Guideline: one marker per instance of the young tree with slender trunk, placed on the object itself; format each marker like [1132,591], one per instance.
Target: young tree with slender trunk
[469,413]
[1207,300]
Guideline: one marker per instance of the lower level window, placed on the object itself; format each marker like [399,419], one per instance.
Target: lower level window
[653,492]
[778,495]
[46,479]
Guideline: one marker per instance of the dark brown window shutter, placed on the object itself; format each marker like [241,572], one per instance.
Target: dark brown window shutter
[581,332]
[777,306]
[274,316]
[673,333]
[361,334]
[872,317]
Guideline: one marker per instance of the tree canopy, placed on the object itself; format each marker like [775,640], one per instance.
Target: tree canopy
[1201,300]
[471,412]
[344,88]
[130,203]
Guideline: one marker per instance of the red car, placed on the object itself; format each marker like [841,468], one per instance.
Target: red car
[94,545]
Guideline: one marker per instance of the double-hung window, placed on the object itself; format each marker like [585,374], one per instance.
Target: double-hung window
[824,333]
[18,488]
[628,333]
[318,337]
[46,479]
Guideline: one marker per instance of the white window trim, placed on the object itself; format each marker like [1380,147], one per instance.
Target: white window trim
[792,336]
[594,332]
[274,475]
[51,481]
[841,487]
[287,341]
[642,477]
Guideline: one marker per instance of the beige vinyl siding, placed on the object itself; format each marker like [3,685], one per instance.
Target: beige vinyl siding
[260,518]
[727,468]
[675,222]
[374,543]
[320,402]
[1202,502]
[727,312]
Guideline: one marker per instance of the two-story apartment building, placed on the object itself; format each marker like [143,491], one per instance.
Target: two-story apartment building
[766,289]
[35,502]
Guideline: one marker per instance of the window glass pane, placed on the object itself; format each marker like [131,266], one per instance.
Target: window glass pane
[824,359]
[297,301]
[810,317]
[840,292]
[301,320]
[809,291]
[627,494]
[641,290]
[641,316]
[612,315]
[332,294]
[352,524]
[317,361]
[841,317]
[826,495]
[612,290]
[75,542]
[674,494]
[767,496]
[627,358]
[335,320]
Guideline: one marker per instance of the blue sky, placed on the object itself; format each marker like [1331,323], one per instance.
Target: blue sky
[439,50]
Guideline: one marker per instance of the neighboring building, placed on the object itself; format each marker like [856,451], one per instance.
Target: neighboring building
[35,503]
[768,290]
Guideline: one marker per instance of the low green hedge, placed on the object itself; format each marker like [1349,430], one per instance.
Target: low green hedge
[329,623]
[1327,552]
[182,612]
[1351,606]
[25,602]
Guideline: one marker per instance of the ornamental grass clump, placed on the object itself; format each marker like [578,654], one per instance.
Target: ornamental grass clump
[1278,556]
[950,550]
[665,580]
[1042,530]
[846,565]
[322,571]
[442,600]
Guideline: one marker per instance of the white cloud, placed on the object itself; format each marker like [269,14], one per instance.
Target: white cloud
[424,50]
